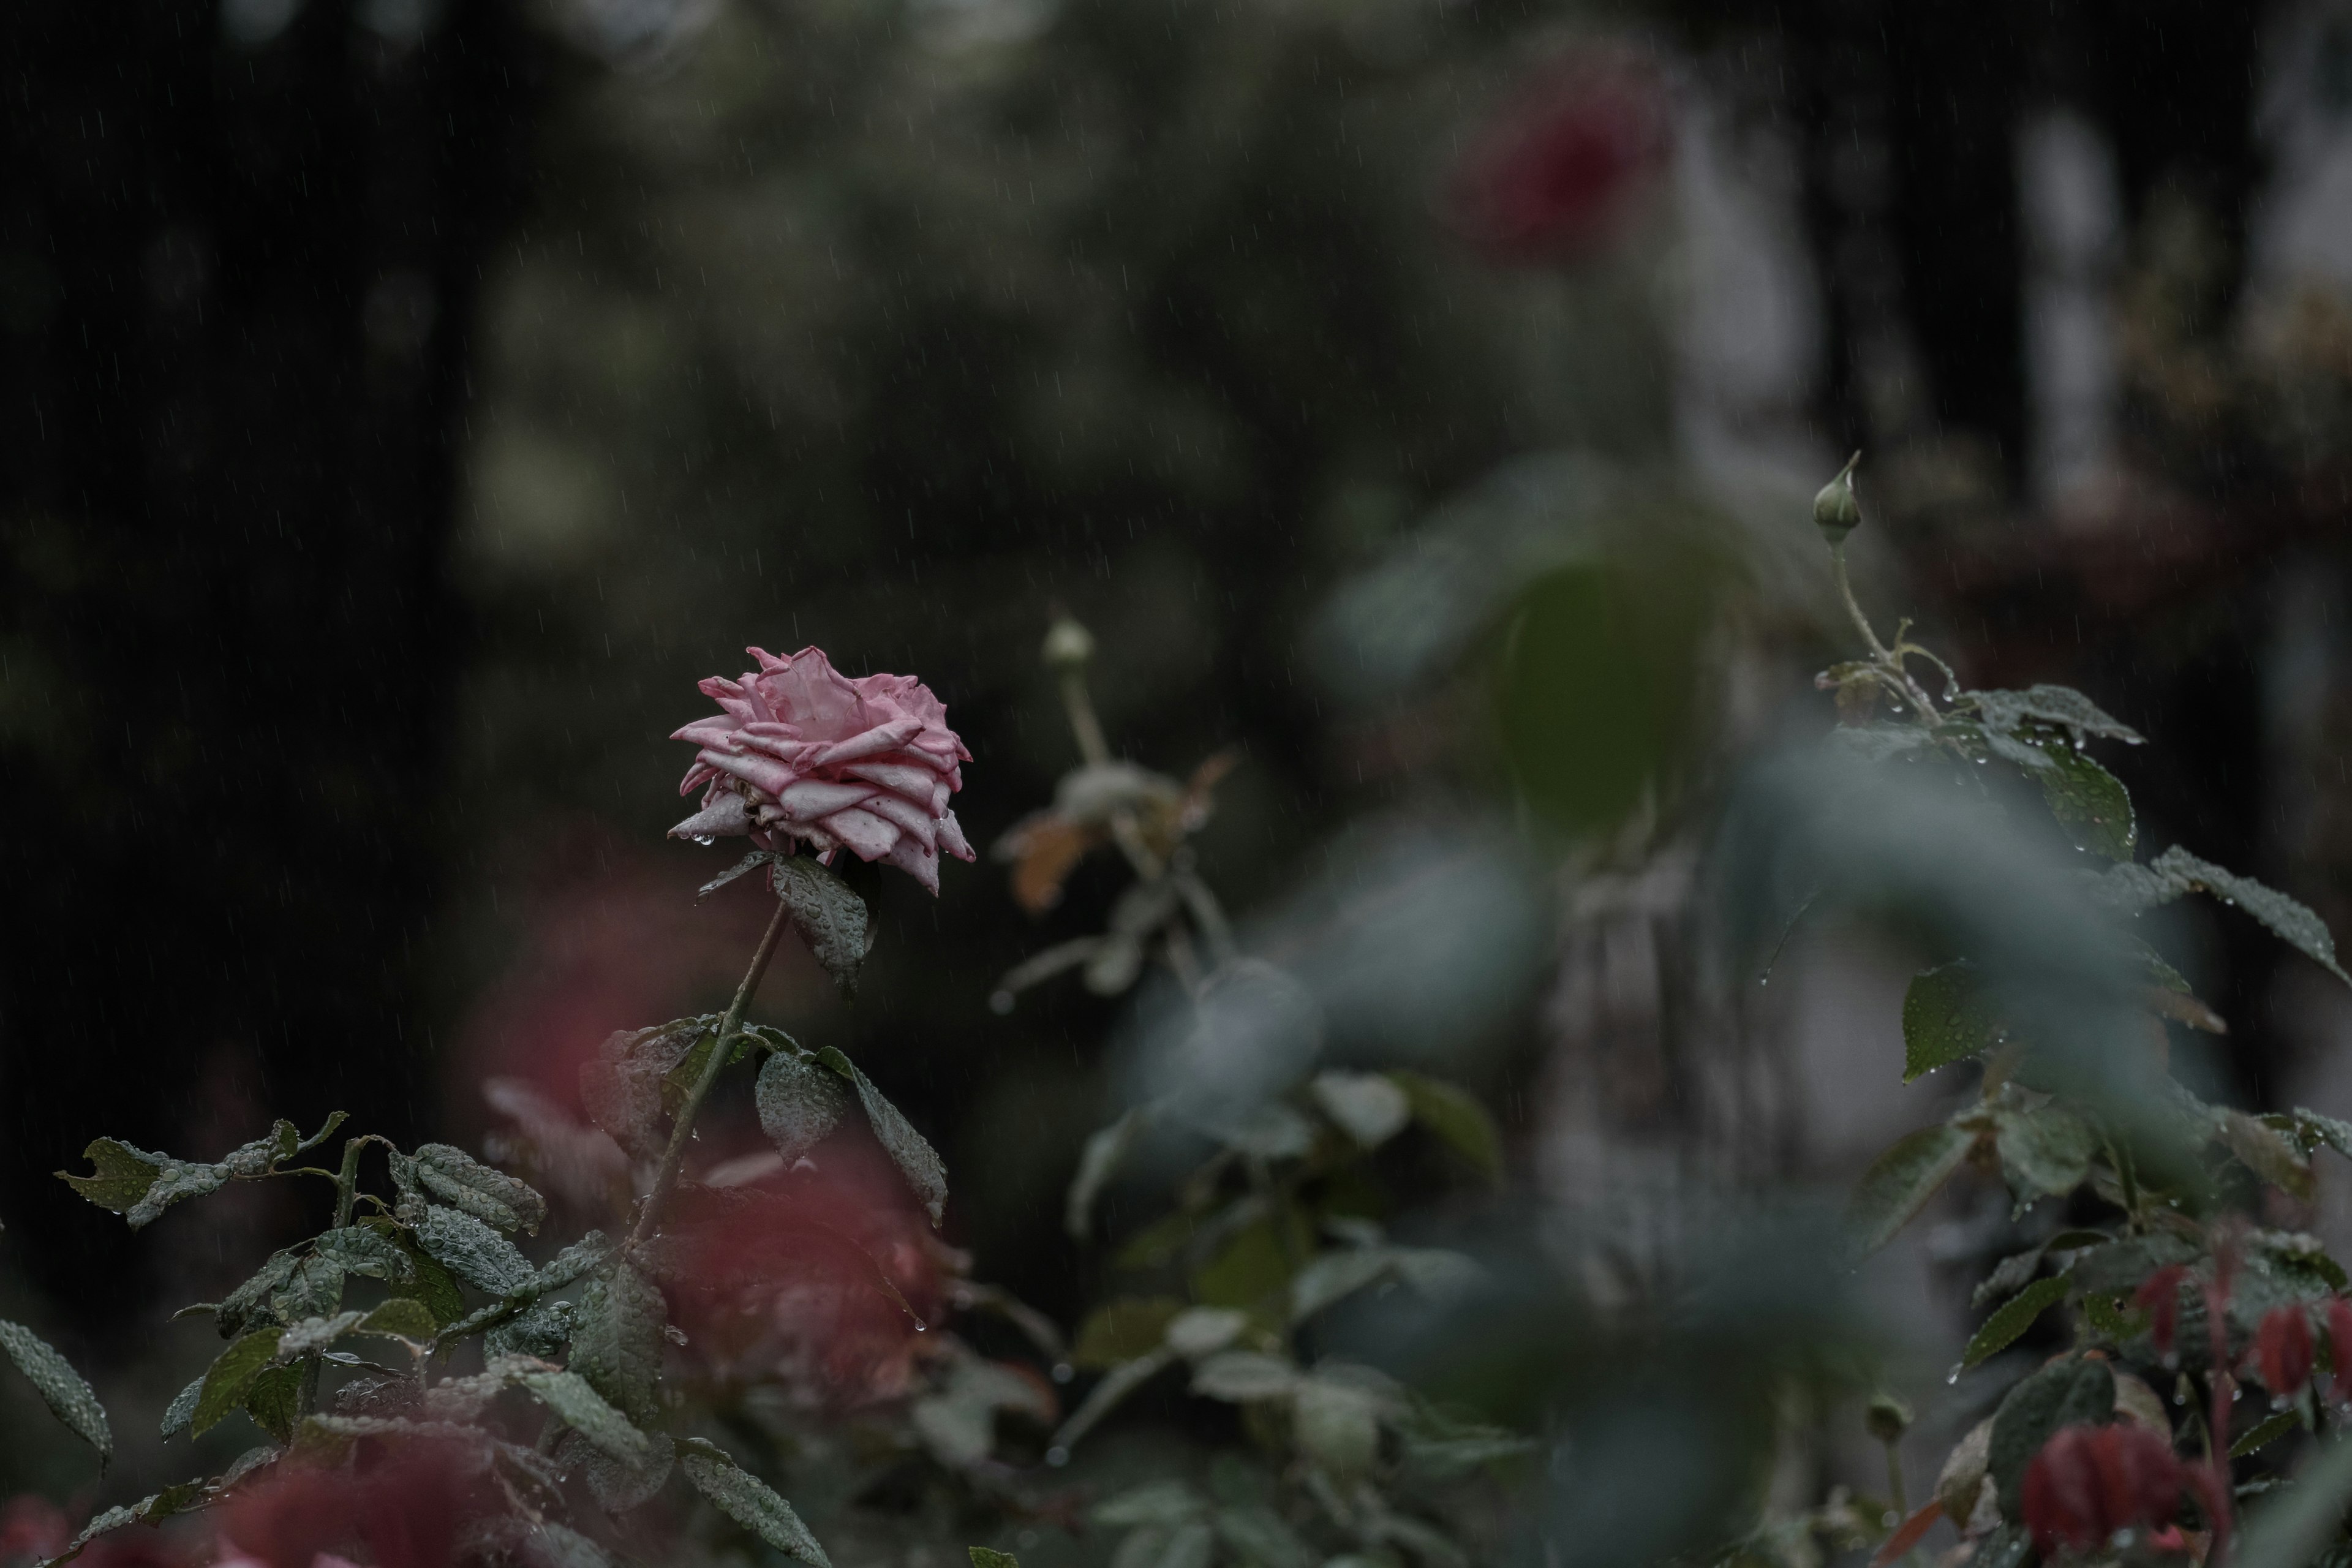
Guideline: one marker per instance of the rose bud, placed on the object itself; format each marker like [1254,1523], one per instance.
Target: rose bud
[802,754]
[2089,1482]
[2339,1346]
[2283,1354]
[1836,510]
[2159,1297]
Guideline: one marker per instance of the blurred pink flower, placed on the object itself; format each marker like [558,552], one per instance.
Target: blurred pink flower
[1554,175]
[804,753]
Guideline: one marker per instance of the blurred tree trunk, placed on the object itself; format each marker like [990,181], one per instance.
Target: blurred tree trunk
[239,250]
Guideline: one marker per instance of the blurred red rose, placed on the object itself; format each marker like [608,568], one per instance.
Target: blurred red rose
[1557,174]
[2339,1346]
[2282,1351]
[825,1274]
[2088,1482]
[2159,1297]
[405,1508]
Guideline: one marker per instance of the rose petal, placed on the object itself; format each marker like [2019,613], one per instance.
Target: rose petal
[753,768]
[862,831]
[809,799]
[905,816]
[951,838]
[888,737]
[728,815]
[912,856]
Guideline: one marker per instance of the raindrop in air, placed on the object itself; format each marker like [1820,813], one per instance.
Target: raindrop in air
[1057,1456]
[1064,1372]
[1000,1003]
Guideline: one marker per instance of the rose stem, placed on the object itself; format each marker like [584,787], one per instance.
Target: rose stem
[673,1157]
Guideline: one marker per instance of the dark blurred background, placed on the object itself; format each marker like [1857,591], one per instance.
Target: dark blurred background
[405,401]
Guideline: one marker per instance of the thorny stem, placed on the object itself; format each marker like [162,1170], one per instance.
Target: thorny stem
[1884,659]
[682,1131]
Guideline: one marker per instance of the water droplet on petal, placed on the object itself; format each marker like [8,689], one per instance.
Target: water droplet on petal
[705,839]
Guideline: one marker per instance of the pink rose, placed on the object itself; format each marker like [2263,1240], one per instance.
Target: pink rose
[1556,176]
[803,754]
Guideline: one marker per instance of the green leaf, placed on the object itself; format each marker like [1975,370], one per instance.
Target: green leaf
[750,1501]
[799,1102]
[359,1250]
[1106,1149]
[490,1195]
[68,1395]
[432,1284]
[2070,1392]
[830,917]
[619,1485]
[925,1172]
[2090,802]
[2267,1433]
[983,1557]
[1900,1182]
[237,1309]
[757,858]
[2132,888]
[154,1509]
[622,1088]
[617,1340]
[1948,1017]
[2267,1152]
[1457,1120]
[2058,706]
[121,1178]
[401,1318]
[2045,1151]
[586,1412]
[1120,1331]
[2012,1319]
[473,1251]
[2117,1267]
[2317,1129]
[182,1408]
[274,1400]
[1238,1375]
[232,1374]
[175,1180]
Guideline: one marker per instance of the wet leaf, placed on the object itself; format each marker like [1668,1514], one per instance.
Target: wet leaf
[586,1412]
[1948,1017]
[1902,1180]
[2016,1315]
[401,1318]
[1237,1375]
[273,1401]
[985,1557]
[799,1102]
[121,1176]
[2090,802]
[490,1195]
[2132,888]
[230,1378]
[2059,706]
[830,917]
[2045,1151]
[617,1340]
[64,1391]
[2267,1152]
[152,1509]
[925,1172]
[750,1501]
[473,1251]
[2069,1392]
